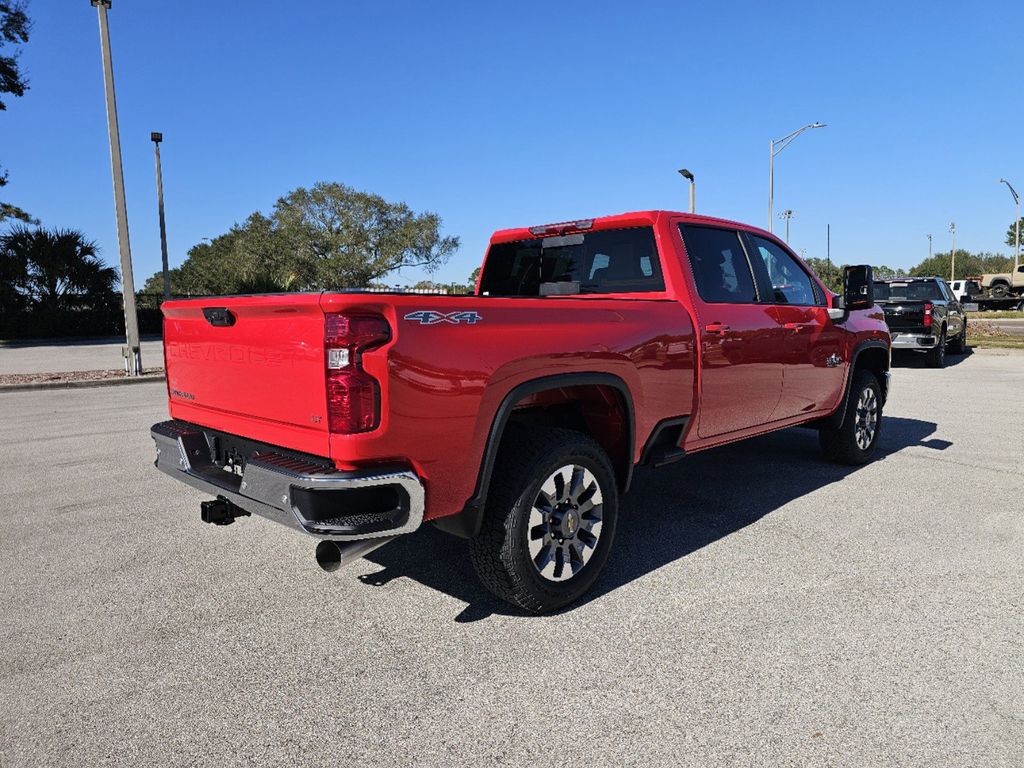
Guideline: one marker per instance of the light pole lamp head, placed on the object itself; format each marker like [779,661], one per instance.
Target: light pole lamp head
[817,125]
[156,137]
[686,174]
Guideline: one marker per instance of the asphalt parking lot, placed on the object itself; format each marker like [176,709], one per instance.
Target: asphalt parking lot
[45,356]
[761,608]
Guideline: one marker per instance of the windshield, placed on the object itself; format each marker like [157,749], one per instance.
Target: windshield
[922,290]
[605,261]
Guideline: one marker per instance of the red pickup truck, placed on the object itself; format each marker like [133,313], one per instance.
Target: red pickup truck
[514,417]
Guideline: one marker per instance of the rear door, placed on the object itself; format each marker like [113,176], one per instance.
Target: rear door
[250,365]
[741,376]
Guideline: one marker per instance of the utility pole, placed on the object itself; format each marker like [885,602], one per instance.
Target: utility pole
[828,244]
[689,176]
[1016,247]
[157,138]
[787,215]
[929,246]
[952,260]
[132,353]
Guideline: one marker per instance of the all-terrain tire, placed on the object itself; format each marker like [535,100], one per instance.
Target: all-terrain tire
[501,553]
[845,444]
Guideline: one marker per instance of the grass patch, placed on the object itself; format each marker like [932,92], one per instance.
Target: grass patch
[1013,342]
[1002,314]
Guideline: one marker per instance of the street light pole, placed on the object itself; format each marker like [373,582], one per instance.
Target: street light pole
[688,175]
[782,143]
[132,352]
[787,215]
[157,138]
[952,255]
[929,246]
[1016,247]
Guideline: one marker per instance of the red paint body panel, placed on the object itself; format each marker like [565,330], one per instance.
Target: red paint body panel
[442,383]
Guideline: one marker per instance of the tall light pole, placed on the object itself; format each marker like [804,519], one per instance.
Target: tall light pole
[132,353]
[1016,247]
[787,215]
[929,246]
[687,175]
[952,259]
[781,144]
[157,138]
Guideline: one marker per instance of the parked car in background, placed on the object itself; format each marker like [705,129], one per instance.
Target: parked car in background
[923,315]
[975,298]
[1004,284]
[965,290]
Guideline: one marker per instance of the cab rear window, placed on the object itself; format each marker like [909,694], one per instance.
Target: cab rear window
[605,261]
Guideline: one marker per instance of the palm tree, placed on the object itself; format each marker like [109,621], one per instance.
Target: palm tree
[55,269]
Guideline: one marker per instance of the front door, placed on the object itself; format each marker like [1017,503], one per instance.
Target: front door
[812,362]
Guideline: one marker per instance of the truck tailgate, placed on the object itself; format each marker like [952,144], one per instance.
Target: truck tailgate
[904,315]
[251,365]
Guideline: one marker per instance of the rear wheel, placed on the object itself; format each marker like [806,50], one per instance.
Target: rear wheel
[999,290]
[959,344]
[936,356]
[549,519]
[854,441]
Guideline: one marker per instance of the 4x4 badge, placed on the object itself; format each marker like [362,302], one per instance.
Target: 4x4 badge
[432,317]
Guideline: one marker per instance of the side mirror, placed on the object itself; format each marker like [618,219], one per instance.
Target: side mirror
[858,288]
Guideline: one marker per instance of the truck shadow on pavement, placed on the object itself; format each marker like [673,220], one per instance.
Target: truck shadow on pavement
[910,359]
[668,514]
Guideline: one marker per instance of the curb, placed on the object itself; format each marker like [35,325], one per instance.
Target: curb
[82,384]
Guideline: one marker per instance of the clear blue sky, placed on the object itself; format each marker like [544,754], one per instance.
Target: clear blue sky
[533,113]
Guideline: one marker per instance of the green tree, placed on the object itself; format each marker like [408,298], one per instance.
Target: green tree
[1011,233]
[473,277]
[54,270]
[829,273]
[967,264]
[14,30]
[328,237]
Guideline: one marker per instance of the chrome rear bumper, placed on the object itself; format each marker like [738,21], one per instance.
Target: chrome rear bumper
[913,341]
[316,499]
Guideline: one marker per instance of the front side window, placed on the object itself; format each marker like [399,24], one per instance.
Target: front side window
[604,261]
[720,266]
[790,284]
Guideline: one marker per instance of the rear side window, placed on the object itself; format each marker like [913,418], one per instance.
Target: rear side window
[919,290]
[790,284]
[720,266]
[605,261]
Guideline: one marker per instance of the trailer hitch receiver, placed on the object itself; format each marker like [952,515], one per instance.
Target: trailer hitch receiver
[220,511]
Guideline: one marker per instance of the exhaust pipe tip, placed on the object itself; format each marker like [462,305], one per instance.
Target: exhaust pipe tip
[328,556]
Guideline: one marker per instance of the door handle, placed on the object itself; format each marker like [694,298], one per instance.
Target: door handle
[718,328]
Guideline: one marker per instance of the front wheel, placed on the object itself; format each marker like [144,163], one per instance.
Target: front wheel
[999,291]
[549,519]
[854,441]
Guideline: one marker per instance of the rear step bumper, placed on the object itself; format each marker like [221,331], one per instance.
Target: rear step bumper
[310,497]
[912,340]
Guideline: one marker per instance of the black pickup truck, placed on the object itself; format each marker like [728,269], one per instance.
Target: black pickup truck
[923,314]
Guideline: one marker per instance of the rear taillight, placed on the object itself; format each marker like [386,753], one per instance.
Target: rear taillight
[927,315]
[353,395]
